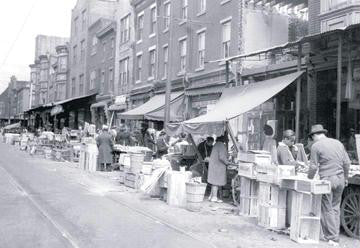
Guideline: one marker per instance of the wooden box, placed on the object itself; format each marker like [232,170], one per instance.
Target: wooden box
[132,180]
[246,169]
[257,158]
[313,186]
[274,173]
[248,197]
[272,206]
[305,218]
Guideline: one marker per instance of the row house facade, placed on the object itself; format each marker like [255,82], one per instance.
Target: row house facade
[183,42]
[101,67]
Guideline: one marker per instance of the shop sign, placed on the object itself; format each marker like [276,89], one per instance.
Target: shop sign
[120,99]
[57,110]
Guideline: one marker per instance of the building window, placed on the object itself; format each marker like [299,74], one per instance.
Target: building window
[94,44]
[152,61]
[112,46]
[184,9]
[43,75]
[329,5]
[92,80]
[102,81]
[166,61]
[124,71]
[111,80]
[81,84]
[202,6]
[167,15]
[140,27]
[201,49]
[125,29]
[82,49]
[226,37]
[153,20]
[73,87]
[183,55]
[83,20]
[76,20]
[104,47]
[138,67]
[63,64]
[74,54]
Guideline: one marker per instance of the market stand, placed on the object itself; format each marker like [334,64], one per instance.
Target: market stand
[262,186]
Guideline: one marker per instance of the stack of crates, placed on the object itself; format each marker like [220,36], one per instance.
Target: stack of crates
[248,197]
[272,206]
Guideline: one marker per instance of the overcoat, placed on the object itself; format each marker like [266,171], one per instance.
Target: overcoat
[217,165]
[105,144]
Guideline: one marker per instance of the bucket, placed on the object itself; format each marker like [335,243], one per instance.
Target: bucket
[195,195]
[136,160]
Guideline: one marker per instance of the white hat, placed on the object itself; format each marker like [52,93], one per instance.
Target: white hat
[105,127]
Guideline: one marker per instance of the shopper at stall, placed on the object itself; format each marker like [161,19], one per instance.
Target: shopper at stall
[123,136]
[105,145]
[205,148]
[329,158]
[270,143]
[149,139]
[351,145]
[217,168]
[162,144]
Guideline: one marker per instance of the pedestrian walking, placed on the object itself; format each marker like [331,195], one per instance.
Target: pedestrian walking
[217,168]
[330,159]
[105,145]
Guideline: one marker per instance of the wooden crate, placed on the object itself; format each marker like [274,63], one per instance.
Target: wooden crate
[246,169]
[248,197]
[305,218]
[313,186]
[274,173]
[132,180]
[272,206]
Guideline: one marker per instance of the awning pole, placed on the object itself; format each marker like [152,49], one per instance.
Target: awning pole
[231,134]
[298,95]
[338,96]
[195,147]
[227,73]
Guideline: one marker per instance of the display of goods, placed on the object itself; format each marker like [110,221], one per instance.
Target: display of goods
[274,173]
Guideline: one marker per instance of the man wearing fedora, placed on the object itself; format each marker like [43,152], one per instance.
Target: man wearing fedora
[330,159]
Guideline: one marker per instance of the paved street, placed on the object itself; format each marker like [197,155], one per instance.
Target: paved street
[41,208]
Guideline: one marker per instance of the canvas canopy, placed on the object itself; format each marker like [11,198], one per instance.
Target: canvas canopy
[154,103]
[11,126]
[177,110]
[232,103]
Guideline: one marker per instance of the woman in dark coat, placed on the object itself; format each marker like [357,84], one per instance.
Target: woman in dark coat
[105,145]
[217,168]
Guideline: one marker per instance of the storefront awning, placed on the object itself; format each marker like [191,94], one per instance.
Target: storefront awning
[177,110]
[233,102]
[204,90]
[154,103]
[101,104]
[15,125]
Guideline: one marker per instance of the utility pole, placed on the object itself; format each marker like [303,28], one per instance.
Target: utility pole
[169,72]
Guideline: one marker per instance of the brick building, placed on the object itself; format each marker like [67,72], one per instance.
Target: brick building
[184,41]
[100,67]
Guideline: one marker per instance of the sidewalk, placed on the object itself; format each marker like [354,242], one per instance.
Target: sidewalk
[217,224]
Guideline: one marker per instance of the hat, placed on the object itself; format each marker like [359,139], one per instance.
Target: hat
[288,133]
[105,127]
[318,128]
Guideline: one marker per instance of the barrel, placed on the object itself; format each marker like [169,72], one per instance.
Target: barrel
[136,160]
[194,195]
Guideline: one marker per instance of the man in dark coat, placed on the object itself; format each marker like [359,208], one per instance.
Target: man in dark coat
[105,145]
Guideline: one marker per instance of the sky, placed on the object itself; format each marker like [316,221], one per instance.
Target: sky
[20,22]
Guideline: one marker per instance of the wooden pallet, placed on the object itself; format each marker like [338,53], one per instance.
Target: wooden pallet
[305,218]
[272,206]
[248,197]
